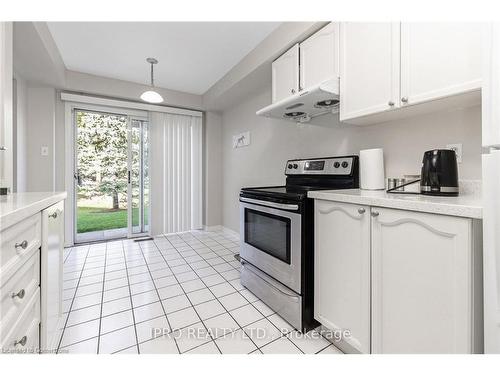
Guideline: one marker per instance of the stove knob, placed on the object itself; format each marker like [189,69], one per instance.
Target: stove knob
[290,166]
[295,166]
[345,164]
[336,164]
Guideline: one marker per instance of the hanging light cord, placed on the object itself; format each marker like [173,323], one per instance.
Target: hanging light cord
[152,76]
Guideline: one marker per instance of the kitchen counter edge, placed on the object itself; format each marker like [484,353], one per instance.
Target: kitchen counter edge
[469,206]
[19,206]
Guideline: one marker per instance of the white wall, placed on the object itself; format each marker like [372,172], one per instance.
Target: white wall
[6,105]
[213,169]
[275,141]
[41,132]
[20,134]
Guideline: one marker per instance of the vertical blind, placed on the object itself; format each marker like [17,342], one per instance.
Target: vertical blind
[176,173]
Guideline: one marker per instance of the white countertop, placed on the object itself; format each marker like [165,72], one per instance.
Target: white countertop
[463,205]
[18,206]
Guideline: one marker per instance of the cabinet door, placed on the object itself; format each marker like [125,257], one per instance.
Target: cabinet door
[319,57]
[369,68]
[439,60]
[51,275]
[421,277]
[285,72]
[342,270]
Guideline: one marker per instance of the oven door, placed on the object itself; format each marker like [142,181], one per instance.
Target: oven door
[270,239]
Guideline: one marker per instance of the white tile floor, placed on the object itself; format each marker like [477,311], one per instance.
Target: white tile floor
[176,294]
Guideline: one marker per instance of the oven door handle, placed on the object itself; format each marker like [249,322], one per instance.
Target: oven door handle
[281,206]
[243,263]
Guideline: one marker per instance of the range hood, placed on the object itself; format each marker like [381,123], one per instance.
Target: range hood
[303,106]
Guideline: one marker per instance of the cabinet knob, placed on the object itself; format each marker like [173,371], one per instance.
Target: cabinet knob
[293,91]
[54,215]
[375,213]
[23,245]
[19,294]
[361,211]
[391,103]
[22,341]
[404,99]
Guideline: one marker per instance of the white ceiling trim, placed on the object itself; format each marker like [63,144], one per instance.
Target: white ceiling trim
[87,99]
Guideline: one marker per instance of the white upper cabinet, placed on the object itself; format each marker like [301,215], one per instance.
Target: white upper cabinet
[319,56]
[285,74]
[385,66]
[422,296]
[439,60]
[342,270]
[369,68]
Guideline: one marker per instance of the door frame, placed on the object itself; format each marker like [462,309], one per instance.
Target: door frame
[70,158]
[131,234]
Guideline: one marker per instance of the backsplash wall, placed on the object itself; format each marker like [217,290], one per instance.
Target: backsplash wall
[275,141]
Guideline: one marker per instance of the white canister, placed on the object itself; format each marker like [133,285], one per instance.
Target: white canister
[371,169]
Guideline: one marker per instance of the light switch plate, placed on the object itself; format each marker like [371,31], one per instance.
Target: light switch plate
[457,147]
[44,151]
[241,140]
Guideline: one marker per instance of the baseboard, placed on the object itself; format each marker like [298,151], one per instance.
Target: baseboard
[213,228]
[221,228]
[230,232]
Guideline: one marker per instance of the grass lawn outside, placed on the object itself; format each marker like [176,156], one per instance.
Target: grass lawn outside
[92,219]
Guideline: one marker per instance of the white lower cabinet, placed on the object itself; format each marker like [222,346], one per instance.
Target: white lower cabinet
[423,282]
[401,281]
[342,270]
[52,276]
[31,282]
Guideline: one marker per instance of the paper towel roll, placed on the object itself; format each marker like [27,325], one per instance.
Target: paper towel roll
[371,166]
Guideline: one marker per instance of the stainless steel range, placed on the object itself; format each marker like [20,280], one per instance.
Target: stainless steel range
[277,235]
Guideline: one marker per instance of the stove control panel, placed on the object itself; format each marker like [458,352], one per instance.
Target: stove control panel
[341,165]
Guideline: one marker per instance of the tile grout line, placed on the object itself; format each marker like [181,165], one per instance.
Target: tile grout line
[130,297]
[224,307]
[281,333]
[192,306]
[102,298]
[178,244]
[72,301]
[158,294]
[188,245]
[264,317]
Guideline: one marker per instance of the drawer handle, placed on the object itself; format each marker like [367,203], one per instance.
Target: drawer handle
[54,215]
[268,283]
[22,245]
[19,294]
[21,342]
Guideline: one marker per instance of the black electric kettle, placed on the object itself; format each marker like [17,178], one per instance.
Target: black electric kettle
[439,173]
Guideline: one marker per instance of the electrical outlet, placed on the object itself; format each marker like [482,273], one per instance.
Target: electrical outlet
[457,147]
[44,151]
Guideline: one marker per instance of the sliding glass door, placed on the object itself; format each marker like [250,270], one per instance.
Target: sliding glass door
[138,209]
[111,175]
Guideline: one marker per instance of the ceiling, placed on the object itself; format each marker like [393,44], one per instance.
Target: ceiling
[192,55]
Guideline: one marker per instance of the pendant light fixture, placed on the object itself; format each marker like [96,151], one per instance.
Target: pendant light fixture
[151,96]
